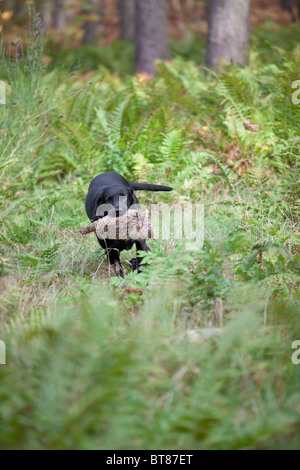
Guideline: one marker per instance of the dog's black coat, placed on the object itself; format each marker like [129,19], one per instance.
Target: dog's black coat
[108,188]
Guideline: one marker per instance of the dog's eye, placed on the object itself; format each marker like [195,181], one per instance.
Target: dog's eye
[108,200]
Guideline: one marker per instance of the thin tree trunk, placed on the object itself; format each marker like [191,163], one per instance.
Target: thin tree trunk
[46,9]
[127,18]
[69,13]
[59,21]
[293,7]
[90,28]
[151,35]
[19,8]
[228,32]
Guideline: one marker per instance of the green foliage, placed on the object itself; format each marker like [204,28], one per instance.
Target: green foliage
[89,378]
[194,352]
[116,58]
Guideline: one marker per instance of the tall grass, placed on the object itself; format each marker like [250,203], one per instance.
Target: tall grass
[194,352]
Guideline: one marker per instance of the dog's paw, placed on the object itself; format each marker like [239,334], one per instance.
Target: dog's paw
[118,269]
[133,264]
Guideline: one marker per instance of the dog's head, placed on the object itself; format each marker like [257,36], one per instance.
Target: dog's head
[115,200]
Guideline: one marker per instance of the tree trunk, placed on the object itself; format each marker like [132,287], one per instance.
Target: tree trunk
[59,21]
[90,27]
[127,18]
[19,9]
[228,32]
[69,13]
[151,35]
[293,7]
[46,9]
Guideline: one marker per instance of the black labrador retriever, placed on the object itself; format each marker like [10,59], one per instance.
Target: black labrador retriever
[111,190]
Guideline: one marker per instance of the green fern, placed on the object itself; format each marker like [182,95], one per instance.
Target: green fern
[16,233]
[112,125]
[171,145]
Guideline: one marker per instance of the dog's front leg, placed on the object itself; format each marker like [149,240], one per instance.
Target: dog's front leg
[141,245]
[114,261]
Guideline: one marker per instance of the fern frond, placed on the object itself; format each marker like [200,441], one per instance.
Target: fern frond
[103,121]
[115,121]
[171,144]
[112,125]
[19,234]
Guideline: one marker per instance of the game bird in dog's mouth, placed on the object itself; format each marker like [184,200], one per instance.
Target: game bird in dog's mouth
[111,196]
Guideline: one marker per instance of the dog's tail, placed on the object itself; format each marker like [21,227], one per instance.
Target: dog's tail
[150,187]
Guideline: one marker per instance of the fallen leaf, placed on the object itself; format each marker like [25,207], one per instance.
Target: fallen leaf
[130,290]
[7,15]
